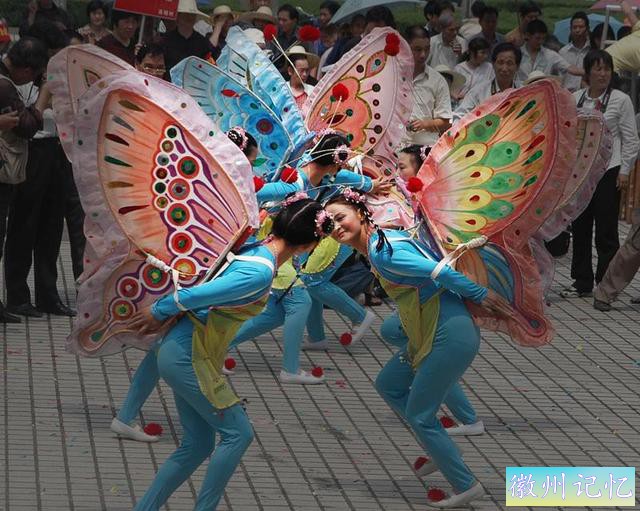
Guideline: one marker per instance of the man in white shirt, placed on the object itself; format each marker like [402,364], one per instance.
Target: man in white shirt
[447,46]
[431,113]
[536,57]
[506,58]
[299,74]
[471,26]
[577,49]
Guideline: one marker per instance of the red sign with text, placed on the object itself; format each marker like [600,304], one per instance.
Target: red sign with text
[167,9]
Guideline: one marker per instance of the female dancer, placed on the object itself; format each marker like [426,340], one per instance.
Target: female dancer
[146,376]
[320,174]
[442,338]
[191,354]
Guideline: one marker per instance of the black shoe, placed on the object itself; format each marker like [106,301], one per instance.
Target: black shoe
[57,309]
[25,309]
[601,306]
[6,317]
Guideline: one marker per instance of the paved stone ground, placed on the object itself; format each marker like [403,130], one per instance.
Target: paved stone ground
[328,447]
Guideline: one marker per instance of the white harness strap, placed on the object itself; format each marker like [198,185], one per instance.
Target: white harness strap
[451,257]
[175,274]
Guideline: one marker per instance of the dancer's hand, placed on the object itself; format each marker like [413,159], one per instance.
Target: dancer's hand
[144,323]
[495,303]
[381,187]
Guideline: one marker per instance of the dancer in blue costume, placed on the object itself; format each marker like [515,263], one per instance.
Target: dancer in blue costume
[442,338]
[146,376]
[191,354]
[289,305]
[320,174]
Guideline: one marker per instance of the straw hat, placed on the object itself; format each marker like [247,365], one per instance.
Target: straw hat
[534,76]
[263,13]
[458,80]
[222,10]
[190,7]
[312,58]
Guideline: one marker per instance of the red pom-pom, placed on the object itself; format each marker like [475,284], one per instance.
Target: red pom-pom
[392,39]
[258,183]
[392,49]
[289,175]
[317,372]
[436,495]
[270,31]
[308,33]
[230,364]
[346,338]
[153,429]
[340,91]
[414,184]
[447,422]
[420,461]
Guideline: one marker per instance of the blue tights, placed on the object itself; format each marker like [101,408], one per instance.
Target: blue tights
[417,396]
[200,423]
[144,380]
[456,400]
[290,310]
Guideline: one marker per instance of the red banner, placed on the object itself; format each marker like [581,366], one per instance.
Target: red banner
[167,9]
[5,37]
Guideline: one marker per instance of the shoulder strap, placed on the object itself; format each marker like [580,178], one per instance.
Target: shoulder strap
[253,259]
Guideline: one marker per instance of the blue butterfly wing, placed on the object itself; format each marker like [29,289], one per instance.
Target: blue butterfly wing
[265,81]
[229,103]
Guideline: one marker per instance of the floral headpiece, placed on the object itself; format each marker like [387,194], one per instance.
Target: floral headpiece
[323,133]
[341,154]
[244,139]
[324,223]
[352,196]
[294,198]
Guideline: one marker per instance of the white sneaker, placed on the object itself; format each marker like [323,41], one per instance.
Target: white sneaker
[459,499]
[307,345]
[428,467]
[477,428]
[362,328]
[132,433]
[302,378]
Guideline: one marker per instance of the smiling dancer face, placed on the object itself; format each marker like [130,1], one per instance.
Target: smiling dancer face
[352,220]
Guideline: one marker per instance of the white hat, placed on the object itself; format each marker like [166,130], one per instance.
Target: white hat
[297,49]
[255,35]
[458,80]
[263,13]
[536,75]
[190,7]
[222,10]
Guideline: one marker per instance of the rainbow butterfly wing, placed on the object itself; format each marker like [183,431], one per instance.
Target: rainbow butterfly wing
[500,173]
[151,185]
[373,116]
[595,144]
[228,104]
[71,72]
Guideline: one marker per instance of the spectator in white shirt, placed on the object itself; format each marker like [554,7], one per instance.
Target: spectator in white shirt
[431,113]
[447,46]
[577,49]
[536,57]
[603,209]
[298,73]
[476,69]
[506,58]
[471,26]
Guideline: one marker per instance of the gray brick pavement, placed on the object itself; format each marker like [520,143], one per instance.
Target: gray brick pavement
[330,447]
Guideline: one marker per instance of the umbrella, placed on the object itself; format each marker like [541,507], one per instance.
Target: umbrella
[563,27]
[351,7]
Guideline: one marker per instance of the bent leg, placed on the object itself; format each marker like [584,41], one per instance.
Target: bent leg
[143,382]
[297,305]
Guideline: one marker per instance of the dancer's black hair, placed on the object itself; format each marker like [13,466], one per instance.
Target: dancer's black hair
[324,151]
[361,207]
[417,152]
[236,138]
[296,223]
